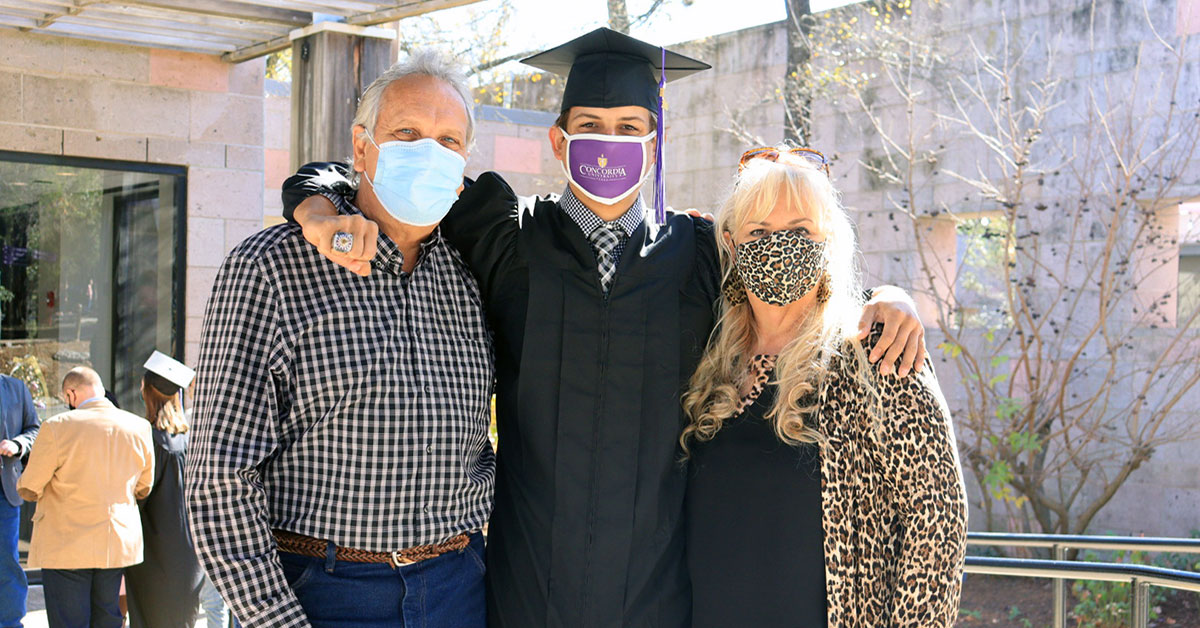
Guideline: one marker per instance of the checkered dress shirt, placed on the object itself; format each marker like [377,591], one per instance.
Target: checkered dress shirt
[588,221]
[340,407]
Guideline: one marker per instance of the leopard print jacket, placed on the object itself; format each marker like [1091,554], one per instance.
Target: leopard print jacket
[894,507]
[895,510]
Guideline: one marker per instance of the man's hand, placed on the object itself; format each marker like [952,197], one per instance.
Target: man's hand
[9,448]
[902,331]
[319,220]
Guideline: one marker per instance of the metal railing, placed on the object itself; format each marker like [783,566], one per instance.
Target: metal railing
[1140,577]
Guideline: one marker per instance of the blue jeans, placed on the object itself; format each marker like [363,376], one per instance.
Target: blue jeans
[215,613]
[13,586]
[442,592]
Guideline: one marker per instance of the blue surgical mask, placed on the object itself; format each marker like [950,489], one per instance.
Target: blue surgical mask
[418,181]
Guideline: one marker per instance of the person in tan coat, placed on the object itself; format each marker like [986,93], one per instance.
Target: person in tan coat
[86,472]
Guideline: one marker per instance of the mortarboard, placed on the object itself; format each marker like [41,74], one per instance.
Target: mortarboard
[170,369]
[607,69]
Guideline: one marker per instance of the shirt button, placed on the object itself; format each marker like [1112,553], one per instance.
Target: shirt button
[426,509]
[429,449]
[428,388]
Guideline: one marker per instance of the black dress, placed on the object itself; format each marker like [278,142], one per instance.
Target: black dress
[755,541]
[588,527]
[164,589]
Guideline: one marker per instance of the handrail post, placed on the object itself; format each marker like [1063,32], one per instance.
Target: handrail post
[1060,590]
[1140,607]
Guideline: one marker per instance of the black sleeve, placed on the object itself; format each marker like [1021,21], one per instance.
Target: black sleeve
[483,226]
[315,178]
[708,260]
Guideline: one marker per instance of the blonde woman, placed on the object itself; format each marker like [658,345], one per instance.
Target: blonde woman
[164,590]
[820,492]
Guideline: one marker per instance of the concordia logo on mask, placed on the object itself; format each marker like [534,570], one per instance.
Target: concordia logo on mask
[607,168]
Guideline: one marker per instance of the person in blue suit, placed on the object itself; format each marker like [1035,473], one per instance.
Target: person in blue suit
[19,424]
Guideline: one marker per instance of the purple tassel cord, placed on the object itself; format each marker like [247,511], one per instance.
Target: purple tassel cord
[660,206]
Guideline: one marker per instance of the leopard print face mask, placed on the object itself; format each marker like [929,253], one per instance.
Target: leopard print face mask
[782,267]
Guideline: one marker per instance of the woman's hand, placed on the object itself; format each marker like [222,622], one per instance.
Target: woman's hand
[320,221]
[902,331]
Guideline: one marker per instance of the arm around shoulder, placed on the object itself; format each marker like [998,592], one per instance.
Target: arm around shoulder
[483,226]
[315,179]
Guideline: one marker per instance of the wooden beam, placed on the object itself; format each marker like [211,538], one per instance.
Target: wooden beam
[257,31]
[47,18]
[405,9]
[328,7]
[125,37]
[13,21]
[280,43]
[92,20]
[227,8]
[237,36]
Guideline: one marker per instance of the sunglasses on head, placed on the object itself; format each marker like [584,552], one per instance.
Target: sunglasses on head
[773,154]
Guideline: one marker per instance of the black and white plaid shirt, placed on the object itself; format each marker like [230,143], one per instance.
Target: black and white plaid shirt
[335,406]
[588,221]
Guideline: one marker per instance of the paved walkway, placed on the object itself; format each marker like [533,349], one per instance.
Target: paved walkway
[35,616]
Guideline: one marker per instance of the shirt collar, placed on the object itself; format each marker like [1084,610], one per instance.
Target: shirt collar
[588,220]
[388,256]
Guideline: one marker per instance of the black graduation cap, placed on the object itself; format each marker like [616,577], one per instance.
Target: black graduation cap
[605,68]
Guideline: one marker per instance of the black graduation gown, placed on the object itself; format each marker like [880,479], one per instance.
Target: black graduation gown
[587,528]
[164,589]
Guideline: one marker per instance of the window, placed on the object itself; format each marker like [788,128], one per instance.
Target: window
[1189,261]
[982,252]
[91,271]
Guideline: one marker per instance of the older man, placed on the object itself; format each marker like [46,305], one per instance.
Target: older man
[86,472]
[340,471]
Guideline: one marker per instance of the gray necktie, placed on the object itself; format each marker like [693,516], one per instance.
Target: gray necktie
[605,240]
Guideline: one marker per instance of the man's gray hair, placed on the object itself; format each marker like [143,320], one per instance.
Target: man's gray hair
[424,62]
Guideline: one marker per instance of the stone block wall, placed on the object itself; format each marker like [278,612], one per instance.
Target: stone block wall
[277,139]
[701,155]
[516,144]
[77,98]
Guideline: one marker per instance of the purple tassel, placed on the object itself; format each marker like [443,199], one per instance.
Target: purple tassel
[660,206]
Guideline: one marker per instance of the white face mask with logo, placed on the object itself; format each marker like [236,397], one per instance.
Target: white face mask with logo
[606,168]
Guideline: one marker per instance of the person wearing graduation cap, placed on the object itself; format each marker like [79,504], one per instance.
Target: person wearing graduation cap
[600,317]
[164,590]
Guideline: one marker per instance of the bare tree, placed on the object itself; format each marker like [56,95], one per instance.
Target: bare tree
[618,14]
[1060,316]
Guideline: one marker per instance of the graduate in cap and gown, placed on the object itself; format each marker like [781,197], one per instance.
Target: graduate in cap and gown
[601,310]
[164,589]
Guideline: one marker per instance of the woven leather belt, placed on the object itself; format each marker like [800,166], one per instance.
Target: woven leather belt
[293,543]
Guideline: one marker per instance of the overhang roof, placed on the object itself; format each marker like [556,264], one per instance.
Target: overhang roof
[236,29]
